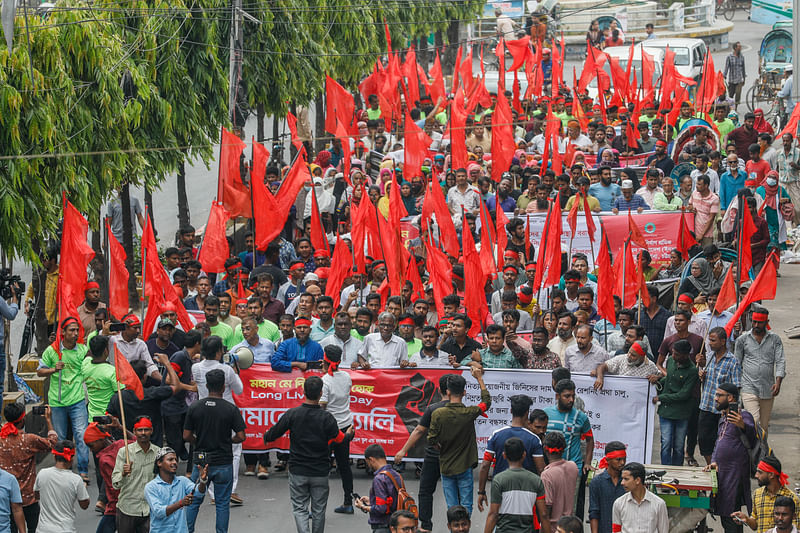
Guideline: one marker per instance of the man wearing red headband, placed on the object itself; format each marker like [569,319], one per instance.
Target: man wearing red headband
[697,325]
[560,478]
[633,363]
[298,351]
[132,471]
[105,449]
[58,488]
[405,329]
[760,352]
[294,285]
[90,304]
[772,484]
[510,275]
[606,487]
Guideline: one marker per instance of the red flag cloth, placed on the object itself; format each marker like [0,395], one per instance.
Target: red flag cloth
[392,253]
[503,145]
[73,264]
[125,374]
[291,121]
[341,134]
[487,243]
[541,259]
[727,294]
[412,275]
[369,85]
[458,131]
[587,212]
[515,101]
[457,64]
[273,210]
[791,126]
[636,236]
[440,275]
[339,105]
[685,238]
[118,303]
[620,83]
[572,217]
[319,239]
[241,293]
[388,37]
[644,296]
[465,69]
[474,282]
[500,231]
[215,250]
[260,158]
[438,92]
[592,68]
[448,237]
[358,215]
[744,250]
[415,149]
[409,70]
[233,193]
[764,287]
[626,281]
[553,257]
[708,85]
[520,50]
[605,283]
[341,269]
[648,72]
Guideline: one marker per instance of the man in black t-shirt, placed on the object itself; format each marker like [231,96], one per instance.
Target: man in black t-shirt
[173,409]
[457,344]
[213,425]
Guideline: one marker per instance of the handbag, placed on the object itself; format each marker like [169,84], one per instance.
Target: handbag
[787,211]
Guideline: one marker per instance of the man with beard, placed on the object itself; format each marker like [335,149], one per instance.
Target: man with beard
[541,357]
[225,315]
[540,203]
[297,351]
[323,326]
[564,338]
[344,339]
[633,363]
[660,159]
[681,322]
[223,331]
[605,191]
[430,355]
[363,323]
[507,202]
[771,487]
[584,355]
[458,344]
[744,136]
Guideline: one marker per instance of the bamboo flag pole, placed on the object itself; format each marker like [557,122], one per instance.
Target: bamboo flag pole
[122,413]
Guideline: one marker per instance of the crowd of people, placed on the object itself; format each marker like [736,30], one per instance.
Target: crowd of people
[159,449]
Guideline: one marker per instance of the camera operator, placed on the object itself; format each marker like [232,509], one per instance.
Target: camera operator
[8,311]
[18,457]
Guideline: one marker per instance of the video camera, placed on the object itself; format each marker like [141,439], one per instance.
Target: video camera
[7,281]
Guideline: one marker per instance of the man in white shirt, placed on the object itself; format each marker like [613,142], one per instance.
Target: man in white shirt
[564,338]
[57,489]
[430,355]
[383,349]
[131,346]
[648,192]
[341,338]
[638,510]
[783,512]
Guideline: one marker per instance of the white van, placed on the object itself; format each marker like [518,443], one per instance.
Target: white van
[689,54]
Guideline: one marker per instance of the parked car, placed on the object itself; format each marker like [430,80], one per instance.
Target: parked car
[689,54]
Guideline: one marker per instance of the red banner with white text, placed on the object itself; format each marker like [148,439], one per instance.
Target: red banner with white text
[660,231]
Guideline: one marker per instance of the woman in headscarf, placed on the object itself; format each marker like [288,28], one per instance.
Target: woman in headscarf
[761,125]
[384,176]
[700,282]
[409,201]
[608,157]
[323,159]
[774,195]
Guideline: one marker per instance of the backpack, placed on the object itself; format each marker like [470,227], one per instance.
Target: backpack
[405,502]
[759,450]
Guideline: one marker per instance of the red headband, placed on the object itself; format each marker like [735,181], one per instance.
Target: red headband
[69,320]
[241,301]
[782,477]
[760,317]
[553,450]
[132,320]
[322,253]
[611,455]
[67,454]
[511,268]
[636,347]
[297,266]
[332,366]
[511,253]
[407,322]
[302,322]
[143,423]
[92,285]
[9,428]
[685,298]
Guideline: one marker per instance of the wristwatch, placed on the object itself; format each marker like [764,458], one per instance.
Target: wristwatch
[481,493]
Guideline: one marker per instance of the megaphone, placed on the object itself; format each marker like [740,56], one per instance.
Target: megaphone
[243,358]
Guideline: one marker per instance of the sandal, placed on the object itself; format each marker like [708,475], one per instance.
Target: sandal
[86,479]
[691,461]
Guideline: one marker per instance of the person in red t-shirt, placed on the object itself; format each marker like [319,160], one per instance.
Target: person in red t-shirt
[756,167]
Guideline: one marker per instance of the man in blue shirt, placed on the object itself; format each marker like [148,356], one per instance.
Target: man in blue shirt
[168,494]
[606,487]
[507,202]
[262,348]
[534,454]
[605,191]
[629,200]
[298,351]
[730,182]
[10,503]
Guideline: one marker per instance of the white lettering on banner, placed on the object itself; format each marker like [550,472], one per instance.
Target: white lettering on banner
[261,417]
[621,411]
[580,243]
[377,419]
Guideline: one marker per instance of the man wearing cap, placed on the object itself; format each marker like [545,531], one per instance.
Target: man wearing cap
[18,451]
[294,287]
[105,450]
[633,363]
[575,137]
[131,346]
[90,304]
[63,364]
[676,399]
[58,489]
[660,159]
[133,469]
[772,484]
[168,494]
[760,352]
[162,343]
[629,201]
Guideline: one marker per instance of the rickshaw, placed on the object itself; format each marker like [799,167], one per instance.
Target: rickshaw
[774,56]
[686,134]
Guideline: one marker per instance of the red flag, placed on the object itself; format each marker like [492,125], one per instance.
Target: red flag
[339,105]
[232,192]
[319,239]
[727,294]
[503,145]
[642,289]
[392,253]
[648,72]
[708,85]
[412,275]
[291,121]
[500,231]
[474,282]
[515,101]
[572,217]
[744,250]
[593,68]
[764,287]
[388,37]
[341,268]
[791,126]
[636,236]
[73,263]
[409,70]
[241,292]
[344,139]
[369,85]
[626,280]
[438,92]
[125,374]
[457,64]
[587,212]
[685,238]
[440,275]
[214,250]
[458,129]
[465,69]
[118,303]
[605,283]
[260,158]
[448,238]
[415,149]
[553,256]
[487,243]
[520,50]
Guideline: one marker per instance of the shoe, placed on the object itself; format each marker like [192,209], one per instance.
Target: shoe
[100,507]
[263,472]
[251,470]
[281,466]
[344,509]
[236,499]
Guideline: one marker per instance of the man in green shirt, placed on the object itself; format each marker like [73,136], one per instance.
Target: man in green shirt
[452,431]
[496,354]
[220,329]
[512,513]
[132,471]
[724,124]
[99,375]
[64,365]
[266,329]
[374,109]
[405,328]
[677,402]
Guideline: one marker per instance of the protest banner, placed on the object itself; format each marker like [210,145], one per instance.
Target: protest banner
[660,231]
[388,403]
[580,243]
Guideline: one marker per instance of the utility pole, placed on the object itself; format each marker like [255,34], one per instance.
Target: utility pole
[235,58]
[795,52]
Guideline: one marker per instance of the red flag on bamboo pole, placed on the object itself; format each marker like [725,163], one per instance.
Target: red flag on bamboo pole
[727,294]
[441,275]
[744,250]
[764,287]
[215,250]
[341,268]
[118,303]
[126,375]
[605,283]
[474,281]
[319,239]
[685,238]
[232,191]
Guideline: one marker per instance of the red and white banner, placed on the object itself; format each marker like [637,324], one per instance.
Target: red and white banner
[659,229]
[388,403]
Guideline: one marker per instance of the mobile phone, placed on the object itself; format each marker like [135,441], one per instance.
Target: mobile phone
[102,420]
[314,364]
[199,458]
[38,409]
[117,326]
[734,408]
